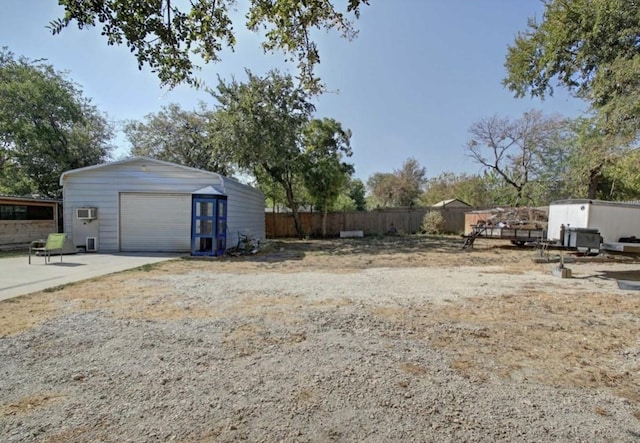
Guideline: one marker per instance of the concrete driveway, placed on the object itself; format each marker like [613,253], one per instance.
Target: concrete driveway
[18,277]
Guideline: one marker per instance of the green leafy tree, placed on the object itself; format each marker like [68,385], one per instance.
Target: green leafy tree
[501,192]
[164,35]
[592,169]
[46,127]
[356,192]
[517,150]
[184,137]
[275,195]
[382,188]
[588,157]
[589,47]
[400,188]
[325,174]
[471,189]
[410,180]
[273,191]
[624,178]
[261,123]
[352,197]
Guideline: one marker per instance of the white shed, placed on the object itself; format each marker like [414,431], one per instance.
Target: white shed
[614,220]
[145,205]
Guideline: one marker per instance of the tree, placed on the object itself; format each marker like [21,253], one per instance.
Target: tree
[261,124]
[624,178]
[324,172]
[589,47]
[472,189]
[410,180]
[352,197]
[400,188]
[163,35]
[588,157]
[516,150]
[596,165]
[382,186]
[356,192]
[184,137]
[46,127]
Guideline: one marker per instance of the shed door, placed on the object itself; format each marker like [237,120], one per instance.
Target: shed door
[155,222]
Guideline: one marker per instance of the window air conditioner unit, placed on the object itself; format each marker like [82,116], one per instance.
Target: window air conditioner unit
[86,213]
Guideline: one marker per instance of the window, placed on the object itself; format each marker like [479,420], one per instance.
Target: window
[25,212]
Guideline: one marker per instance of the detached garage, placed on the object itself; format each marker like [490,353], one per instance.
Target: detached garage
[147,205]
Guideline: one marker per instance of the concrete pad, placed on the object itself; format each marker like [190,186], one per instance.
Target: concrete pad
[18,277]
[561,272]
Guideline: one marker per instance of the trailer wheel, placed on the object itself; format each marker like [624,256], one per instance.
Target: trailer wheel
[518,243]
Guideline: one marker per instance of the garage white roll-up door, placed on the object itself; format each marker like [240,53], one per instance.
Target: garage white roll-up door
[155,222]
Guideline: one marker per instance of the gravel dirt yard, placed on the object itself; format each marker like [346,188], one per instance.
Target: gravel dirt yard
[365,340]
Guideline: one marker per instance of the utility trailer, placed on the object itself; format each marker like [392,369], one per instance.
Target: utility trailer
[582,224]
[517,235]
[580,239]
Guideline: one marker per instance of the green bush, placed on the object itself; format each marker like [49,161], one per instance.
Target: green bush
[433,223]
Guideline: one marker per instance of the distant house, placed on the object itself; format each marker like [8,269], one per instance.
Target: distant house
[451,203]
[24,219]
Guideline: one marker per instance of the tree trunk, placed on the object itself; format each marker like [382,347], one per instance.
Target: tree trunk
[518,195]
[287,185]
[294,211]
[595,175]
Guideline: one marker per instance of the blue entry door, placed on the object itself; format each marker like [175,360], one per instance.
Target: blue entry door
[209,225]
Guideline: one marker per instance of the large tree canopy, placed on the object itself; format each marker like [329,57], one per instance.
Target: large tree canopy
[590,47]
[402,187]
[325,174]
[472,189]
[262,122]
[46,127]
[519,151]
[164,35]
[184,137]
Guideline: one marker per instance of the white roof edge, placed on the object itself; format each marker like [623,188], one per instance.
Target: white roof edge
[583,201]
[208,190]
[132,159]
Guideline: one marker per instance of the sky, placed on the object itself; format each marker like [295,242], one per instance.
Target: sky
[418,75]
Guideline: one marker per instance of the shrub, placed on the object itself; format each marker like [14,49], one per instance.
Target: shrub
[433,223]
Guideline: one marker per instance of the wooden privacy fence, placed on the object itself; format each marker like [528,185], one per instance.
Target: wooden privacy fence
[376,222]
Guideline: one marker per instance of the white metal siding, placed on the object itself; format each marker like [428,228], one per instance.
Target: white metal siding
[613,220]
[245,211]
[155,222]
[100,187]
[575,215]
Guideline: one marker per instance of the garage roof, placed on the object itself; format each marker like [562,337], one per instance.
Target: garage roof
[132,160]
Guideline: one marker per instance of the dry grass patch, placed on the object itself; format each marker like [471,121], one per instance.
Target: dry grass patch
[413,369]
[23,313]
[249,339]
[257,305]
[587,340]
[133,294]
[28,404]
[305,396]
